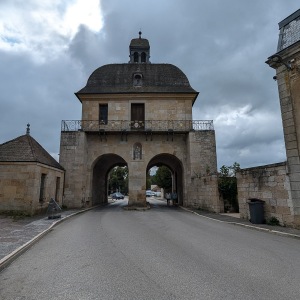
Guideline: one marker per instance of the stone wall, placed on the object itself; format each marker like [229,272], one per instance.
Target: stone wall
[203,194]
[202,155]
[73,158]
[271,184]
[202,181]
[20,186]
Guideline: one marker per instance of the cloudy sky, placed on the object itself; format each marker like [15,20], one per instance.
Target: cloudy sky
[49,48]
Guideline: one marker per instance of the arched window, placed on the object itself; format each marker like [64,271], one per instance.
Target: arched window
[137,79]
[137,151]
[143,57]
[135,57]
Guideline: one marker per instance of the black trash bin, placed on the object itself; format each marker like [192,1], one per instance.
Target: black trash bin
[256,208]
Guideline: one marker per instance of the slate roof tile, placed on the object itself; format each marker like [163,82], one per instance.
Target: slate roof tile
[118,78]
[26,149]
[139,42]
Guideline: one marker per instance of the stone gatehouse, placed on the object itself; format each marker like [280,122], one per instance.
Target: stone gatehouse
[138,114]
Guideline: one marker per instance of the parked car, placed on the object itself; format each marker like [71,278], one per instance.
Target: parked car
[150,193]
[157,194]
[117,195]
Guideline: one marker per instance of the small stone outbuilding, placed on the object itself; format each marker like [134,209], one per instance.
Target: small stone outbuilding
[29,176]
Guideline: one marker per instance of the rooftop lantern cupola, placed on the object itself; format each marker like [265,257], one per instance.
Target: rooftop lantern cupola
[139,50]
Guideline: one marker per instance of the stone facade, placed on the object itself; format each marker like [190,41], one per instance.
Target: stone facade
[271,184]
[175,107]
[20,185]
[188,155]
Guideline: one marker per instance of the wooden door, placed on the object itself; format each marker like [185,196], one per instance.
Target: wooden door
[137,115]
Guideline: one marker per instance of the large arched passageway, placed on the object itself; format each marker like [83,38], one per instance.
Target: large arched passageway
[101,170]
[176,168]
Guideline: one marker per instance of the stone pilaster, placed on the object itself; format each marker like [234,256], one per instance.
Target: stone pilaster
[137,184]
[287,66]
[73,159]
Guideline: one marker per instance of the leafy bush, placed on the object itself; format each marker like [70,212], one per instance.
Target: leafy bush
[273,221]
[163,178]
[227,184]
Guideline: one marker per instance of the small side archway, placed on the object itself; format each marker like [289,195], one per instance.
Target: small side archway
[176,168]
[101,169]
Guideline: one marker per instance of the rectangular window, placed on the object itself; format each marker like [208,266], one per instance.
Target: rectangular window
[103,113]
[57,188]
[42,188]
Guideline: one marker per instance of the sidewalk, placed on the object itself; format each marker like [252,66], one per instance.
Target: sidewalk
[235,220]
[16,236]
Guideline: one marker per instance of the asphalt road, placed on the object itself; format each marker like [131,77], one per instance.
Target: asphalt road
[163,253]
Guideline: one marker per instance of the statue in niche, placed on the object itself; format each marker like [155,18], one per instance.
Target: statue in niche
[137,151]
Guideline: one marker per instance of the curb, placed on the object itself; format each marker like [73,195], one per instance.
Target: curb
[8,259]
[291,235]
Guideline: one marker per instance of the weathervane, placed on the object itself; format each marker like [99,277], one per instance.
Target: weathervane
[28,129]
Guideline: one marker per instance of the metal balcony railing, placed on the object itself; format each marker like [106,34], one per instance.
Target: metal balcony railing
[133,126]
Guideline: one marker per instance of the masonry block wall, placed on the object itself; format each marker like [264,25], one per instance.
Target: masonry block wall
[20,187]
[203,194]
[73,159]
[202,185]
[176,107]
[202,153]
[271,184]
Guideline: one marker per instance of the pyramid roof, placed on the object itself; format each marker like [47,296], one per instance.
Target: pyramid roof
[26,149]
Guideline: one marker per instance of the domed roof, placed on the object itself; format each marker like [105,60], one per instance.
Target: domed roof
[139,42]
[154,78]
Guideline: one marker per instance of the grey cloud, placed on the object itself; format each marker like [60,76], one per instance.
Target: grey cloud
[39,94]
[220,45]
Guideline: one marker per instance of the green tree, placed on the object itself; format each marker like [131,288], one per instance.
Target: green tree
[228,186]
[118,180]
[235,168]
[163,178]
[224,171]
[148,180]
